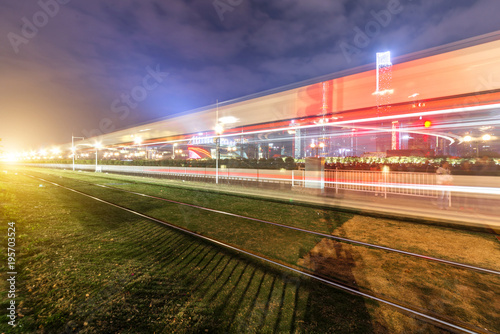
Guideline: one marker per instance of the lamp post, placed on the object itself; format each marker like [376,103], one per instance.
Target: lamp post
[317,147]
[74,149]
[219,129]
[173,150]
[485,138]
[97,147]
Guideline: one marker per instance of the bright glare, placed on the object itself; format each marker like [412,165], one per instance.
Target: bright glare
[219,129]
[383,59]
[138,140]
[98,145]
[467,138]
[486,137]
[8,157]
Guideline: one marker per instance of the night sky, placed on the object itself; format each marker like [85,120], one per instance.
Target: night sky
[88,67]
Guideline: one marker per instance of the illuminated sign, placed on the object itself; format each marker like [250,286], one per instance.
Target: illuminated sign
[197,140]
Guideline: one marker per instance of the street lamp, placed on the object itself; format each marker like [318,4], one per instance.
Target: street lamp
[174,150]
[485,138]
[317,147]
[219,129]
[73,148]
[97,147]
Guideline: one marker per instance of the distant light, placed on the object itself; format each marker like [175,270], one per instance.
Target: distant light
[467,138]
[144,130]
[486,137]
[98,145]
[427,124]
[413,95]
[321,145]
[138,140]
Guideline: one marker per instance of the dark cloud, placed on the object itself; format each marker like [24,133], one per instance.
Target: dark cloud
[65,79]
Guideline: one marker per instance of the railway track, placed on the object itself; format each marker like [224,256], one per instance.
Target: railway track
[440,321]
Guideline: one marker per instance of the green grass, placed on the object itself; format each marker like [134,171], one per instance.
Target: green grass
[227,292]
[86,267]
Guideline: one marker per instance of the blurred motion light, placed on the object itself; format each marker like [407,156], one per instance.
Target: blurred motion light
[228,120]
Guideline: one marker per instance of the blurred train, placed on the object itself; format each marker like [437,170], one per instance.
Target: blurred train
[442,101]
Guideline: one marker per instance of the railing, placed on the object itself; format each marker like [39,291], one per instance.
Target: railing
[378,182]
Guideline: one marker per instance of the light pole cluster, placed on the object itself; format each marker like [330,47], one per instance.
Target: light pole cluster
[316,147]
[485,138]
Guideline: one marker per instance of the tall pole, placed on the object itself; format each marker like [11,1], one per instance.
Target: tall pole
[217,160]
[74,149]
[217,143]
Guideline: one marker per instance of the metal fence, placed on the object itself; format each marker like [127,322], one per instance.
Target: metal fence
[381,183]
[378,182]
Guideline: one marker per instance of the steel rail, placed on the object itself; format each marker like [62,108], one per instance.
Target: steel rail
[260,257]
[347,240]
